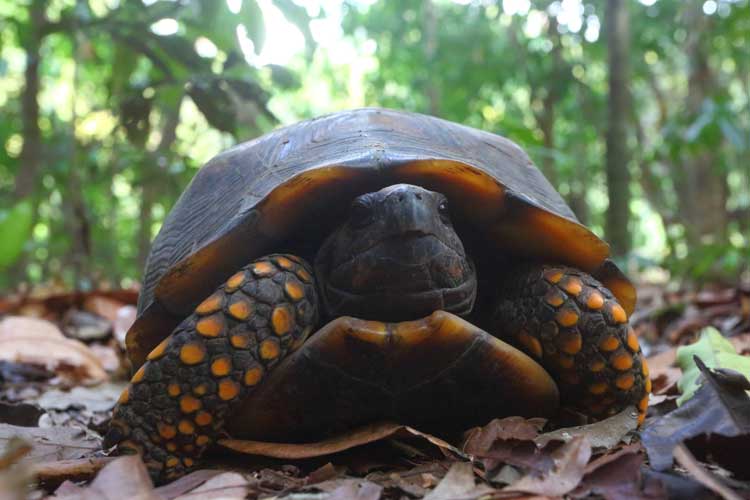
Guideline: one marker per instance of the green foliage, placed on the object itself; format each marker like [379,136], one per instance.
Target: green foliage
[716,352]
[15,229]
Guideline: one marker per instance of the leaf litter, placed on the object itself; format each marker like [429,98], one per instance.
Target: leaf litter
[53,410]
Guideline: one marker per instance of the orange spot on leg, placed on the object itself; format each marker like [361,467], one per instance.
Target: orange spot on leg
[566,317]
[192,353]
[262,269]
[281,320]
[240,308]
[294,290]
[189,404]
[571,344]
[572,285]
[124,396]
[210,326]
[166,431]
[221,366]
[159,350]
[609,343]
[622,361]
[203,418]
[253,376]
[284,263]
[228,389]
[211,304]
[595,301]
[173,390]
[235,281]
[530,343]
[239,341]
[553,275]
[625,381]
[598,388]
[138,376]
[618,313]
[186,427]
[643,403]
[269,349]
[633,341]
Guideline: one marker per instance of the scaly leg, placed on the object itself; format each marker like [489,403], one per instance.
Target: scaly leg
[176,402]
[574,326]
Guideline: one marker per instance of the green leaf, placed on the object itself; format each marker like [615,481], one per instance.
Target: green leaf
[297,15]
[716,352]
[252,17]
[15,230]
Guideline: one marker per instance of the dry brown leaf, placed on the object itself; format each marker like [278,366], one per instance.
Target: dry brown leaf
[226,486]
[569,465]
[357,437]
[458,483]
[125,477]
[50,444]
[507,440]
[686,459]
[77,469]
[39,342]
[603,434]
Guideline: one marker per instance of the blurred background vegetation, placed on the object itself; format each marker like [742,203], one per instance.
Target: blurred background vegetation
[637,111]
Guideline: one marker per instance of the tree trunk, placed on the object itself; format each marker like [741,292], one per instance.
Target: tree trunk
[430,48]
[702,188]
[617,158]
[31,157]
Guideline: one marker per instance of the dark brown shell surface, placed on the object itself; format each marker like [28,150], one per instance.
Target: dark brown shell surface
[290,187]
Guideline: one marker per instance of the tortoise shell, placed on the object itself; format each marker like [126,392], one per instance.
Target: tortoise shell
[286,190]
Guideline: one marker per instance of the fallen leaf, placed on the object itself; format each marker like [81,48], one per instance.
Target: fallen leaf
[226,486]
[50,444]
[507,441]
[569,466]
[185,484]
[716,352]
[83,325]
[720,406]
[458,483]
[357,437]
[21,414]
[617,476]
[39,342]
[78,469]
[356,490]
[605,434]
[94,399]
[686,459]
[124,477]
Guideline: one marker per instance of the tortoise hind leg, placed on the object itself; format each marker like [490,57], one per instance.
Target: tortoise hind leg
[176,402]
[575,327]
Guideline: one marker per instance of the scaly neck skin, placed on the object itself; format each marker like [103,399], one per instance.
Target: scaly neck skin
[397,257]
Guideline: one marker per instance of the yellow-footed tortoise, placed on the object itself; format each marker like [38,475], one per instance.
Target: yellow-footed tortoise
[369,265]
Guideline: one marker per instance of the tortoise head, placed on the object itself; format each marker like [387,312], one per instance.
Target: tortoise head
[396,257]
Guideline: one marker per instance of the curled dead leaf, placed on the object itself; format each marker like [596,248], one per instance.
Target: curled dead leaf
[357,437]
[39,342]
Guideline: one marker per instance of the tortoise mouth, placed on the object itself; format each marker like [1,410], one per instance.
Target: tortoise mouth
[439,372]
[400,278]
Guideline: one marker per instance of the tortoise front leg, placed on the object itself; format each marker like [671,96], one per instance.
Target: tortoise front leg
[176,402]
[575,327]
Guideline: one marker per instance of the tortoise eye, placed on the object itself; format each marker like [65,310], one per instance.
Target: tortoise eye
[444,211]
[360,214]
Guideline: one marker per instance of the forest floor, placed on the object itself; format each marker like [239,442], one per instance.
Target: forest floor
[62,368]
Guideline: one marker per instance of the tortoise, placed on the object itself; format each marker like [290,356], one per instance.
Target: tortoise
[367,265]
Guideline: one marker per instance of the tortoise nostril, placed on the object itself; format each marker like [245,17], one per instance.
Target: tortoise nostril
[401,197]
[419,196]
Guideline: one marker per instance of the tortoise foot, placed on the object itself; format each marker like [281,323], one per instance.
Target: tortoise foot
[574,326]
[177,401]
